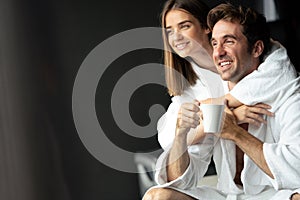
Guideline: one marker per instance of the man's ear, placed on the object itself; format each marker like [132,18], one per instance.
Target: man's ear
[258,48]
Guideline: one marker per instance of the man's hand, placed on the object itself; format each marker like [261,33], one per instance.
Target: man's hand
[230,125]
[188,116]
[189,122]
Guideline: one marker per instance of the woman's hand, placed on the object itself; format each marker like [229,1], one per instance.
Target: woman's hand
[252,114]
[295,196]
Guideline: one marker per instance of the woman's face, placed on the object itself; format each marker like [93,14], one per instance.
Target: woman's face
[184,33]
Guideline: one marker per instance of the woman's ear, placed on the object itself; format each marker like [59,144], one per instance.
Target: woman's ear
[207,31]
[258,48]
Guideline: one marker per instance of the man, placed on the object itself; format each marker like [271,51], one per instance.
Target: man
[251,162]
[272,151]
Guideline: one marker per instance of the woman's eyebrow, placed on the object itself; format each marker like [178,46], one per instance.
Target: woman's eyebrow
[180,23]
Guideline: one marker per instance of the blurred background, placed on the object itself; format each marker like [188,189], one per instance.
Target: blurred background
[42,45]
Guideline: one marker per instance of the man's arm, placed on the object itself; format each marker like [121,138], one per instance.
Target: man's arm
[249,144]
[178,160]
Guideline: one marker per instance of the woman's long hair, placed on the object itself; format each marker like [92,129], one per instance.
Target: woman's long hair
[179,73]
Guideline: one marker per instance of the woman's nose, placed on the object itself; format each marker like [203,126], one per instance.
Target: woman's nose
[177,35]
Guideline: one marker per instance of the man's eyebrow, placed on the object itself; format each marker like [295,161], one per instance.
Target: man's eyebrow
[229,36]
[225,37]
[180,23]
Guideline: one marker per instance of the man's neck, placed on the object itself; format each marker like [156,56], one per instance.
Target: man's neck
[231,85]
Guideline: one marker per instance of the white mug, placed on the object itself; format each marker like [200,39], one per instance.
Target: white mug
[212,117]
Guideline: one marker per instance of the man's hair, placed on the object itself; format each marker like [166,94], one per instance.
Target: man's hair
[254,24]
[179,72]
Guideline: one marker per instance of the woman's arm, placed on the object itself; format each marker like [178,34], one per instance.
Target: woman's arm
[243,113]
[252,114]
[231,101]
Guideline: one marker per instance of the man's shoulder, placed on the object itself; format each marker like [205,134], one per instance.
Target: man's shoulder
[291,105]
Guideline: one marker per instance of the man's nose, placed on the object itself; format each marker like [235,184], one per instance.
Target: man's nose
[219,51]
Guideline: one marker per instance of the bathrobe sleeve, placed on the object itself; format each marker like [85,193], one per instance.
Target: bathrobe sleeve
[283,157]
[267,83]
[166,126]
[200,154]
[167,123]
[208,85]
[200,157]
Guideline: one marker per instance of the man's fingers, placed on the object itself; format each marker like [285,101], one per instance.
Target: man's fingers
[190,106]
[187,122]
[188,116]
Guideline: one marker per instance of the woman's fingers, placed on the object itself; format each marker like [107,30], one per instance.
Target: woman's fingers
[253,114]
[254,119]
[262,105]
[261,110]
[256,113]
[257,117]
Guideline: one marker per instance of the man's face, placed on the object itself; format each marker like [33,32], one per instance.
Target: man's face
[230,51]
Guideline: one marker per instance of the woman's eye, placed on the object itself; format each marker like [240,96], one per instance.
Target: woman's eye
[169,32]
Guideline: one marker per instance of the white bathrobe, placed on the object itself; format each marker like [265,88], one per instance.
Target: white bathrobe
[275,83]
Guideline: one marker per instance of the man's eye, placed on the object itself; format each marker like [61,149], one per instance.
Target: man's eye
[229,41]
[185,26]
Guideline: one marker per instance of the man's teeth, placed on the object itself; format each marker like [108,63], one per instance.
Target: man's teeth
[225,63]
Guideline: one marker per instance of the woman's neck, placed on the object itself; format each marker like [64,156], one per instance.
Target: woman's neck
[205,62]
[204,59]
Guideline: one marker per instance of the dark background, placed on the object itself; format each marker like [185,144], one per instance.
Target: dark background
[43,44]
